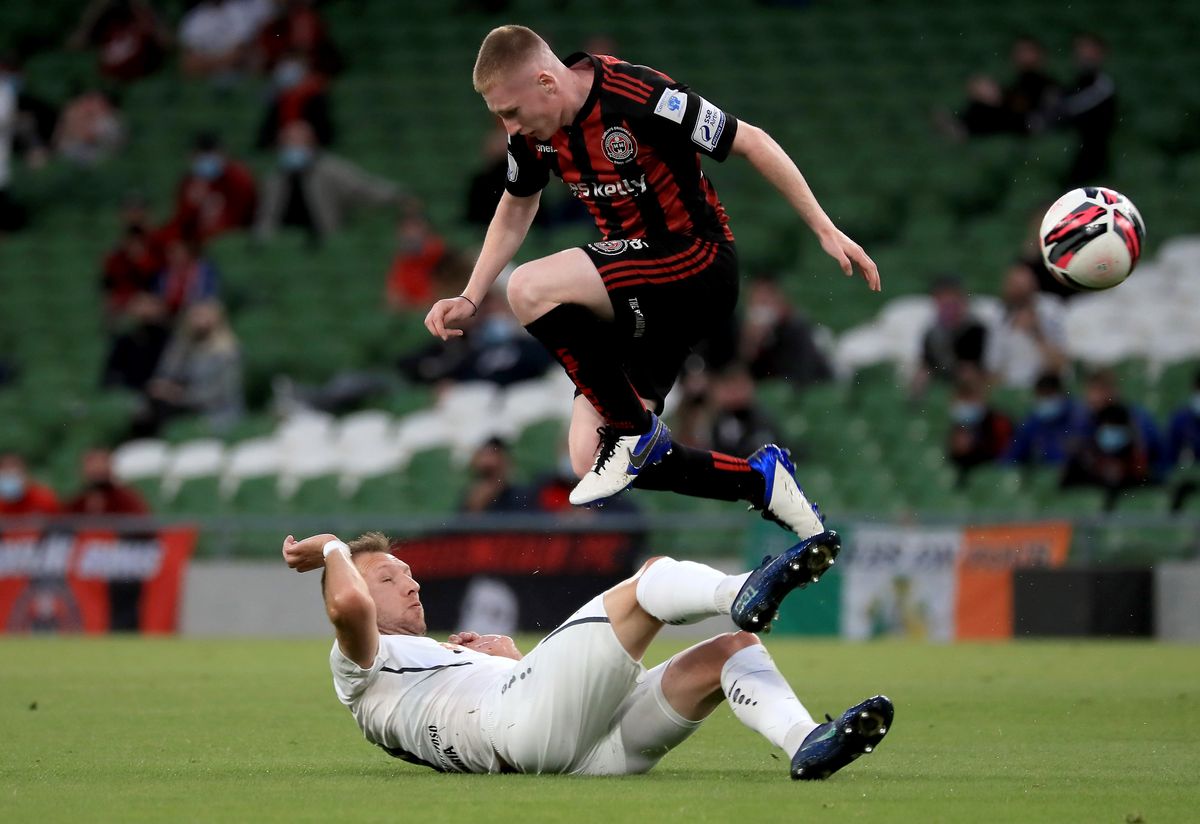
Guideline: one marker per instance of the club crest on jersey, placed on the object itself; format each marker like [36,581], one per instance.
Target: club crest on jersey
[619,145]
[609,247]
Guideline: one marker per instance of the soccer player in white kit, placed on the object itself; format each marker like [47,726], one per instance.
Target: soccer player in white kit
[580,702]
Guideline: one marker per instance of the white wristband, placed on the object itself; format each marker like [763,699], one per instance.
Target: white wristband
[335,546]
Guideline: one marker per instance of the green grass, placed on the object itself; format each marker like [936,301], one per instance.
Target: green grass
[171,730]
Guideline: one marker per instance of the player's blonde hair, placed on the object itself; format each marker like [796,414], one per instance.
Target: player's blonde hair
[364,544]
[505,49]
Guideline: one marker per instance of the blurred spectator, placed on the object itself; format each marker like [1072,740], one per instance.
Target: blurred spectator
[35,119]
[490,488]
[979,433]
[1101,390]
[101,493]
[313,189]
[739,425]
[89,129]
[1031,338]
[1016,109]
[135,351]
[216,36]
[495,349]
[1113,457]
[299,95]
[199,373]
[1090,108]
[216,196]
[956,337]
[188,278]
[551,493]
[415,277]
[776,340]
[12,215]
[1055,427]
[298,28]
[1032,91]
[1183,447]
[691,420]
[1183,432]
[134,266]
[129,38]
[19,493]
[487,182]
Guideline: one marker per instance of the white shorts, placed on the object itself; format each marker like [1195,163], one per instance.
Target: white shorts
[578,703]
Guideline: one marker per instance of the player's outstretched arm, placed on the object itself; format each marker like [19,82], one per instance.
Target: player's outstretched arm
[348,602]
[498,645]
[773,163]
[505,234]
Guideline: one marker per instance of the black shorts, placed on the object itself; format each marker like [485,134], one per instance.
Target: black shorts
[668,293]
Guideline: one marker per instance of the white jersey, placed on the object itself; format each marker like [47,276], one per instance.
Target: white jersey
[424,701]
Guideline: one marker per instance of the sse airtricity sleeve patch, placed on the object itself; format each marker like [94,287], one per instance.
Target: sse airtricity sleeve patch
[710,125]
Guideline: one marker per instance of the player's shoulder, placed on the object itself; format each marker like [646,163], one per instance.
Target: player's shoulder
[629,84]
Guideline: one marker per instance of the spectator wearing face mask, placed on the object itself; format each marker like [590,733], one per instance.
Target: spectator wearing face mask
[491,487]
[413,280]
[1053,429]
[19,493]
[217,195]
[1102,390]
[954,340]
[739,425]
[315,190]
[299,94]
[776,340]
[979,433]
[101,494]
[1113,458]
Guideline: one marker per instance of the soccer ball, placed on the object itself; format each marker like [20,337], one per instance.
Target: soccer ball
[1091,238]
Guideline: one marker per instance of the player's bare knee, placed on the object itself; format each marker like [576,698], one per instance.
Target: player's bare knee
[525,293]
[723,647]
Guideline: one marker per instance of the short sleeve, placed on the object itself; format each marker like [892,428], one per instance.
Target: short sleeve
[690,121]
[349,679]
[527,174]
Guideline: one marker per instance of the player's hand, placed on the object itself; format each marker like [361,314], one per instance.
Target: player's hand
[306,555]
[849,255]
[499,645]
[446,317]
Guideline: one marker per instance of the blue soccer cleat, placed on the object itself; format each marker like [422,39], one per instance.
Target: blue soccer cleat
[620,459]
[835,744]
[759,598]
[784,501]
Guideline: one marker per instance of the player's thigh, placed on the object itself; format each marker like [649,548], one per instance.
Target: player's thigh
[569,276]
[648,728]
[563,697]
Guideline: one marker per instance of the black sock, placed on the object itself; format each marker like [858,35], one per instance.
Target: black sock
[703,474]
[585,347]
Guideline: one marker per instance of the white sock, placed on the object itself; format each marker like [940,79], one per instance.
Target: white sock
[763,701]
[683,592]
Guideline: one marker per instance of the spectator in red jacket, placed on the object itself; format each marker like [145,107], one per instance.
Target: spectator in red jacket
[131,269]
[298,28]
[101,493]
[217,195]
[129,39]
[300,94]
[19,493]
[979,433]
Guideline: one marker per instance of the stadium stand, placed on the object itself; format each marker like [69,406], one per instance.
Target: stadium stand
[846,89]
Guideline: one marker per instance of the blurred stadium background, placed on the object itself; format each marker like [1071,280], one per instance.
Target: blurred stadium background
[859,94]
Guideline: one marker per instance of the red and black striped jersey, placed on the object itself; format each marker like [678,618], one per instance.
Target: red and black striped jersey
[632,154]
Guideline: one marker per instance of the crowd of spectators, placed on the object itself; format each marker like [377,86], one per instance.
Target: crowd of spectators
[98,491]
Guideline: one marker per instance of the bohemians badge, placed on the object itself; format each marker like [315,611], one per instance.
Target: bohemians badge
[619,145]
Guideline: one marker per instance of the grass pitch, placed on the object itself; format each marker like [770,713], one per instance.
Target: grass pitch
[172,730]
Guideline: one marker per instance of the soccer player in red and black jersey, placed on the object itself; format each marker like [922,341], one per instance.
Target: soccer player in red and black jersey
[621,314]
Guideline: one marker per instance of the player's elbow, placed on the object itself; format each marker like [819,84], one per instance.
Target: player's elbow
[749,140]
[349,608]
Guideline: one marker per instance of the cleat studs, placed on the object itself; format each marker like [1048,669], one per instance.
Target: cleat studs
[864,714]
[868,749]
[815,578]
[848,730]
[883,730]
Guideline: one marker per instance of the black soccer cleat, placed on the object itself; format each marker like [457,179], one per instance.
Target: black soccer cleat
[835,744]
[760,596]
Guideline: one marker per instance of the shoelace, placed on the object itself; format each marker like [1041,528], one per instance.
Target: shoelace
[608,446]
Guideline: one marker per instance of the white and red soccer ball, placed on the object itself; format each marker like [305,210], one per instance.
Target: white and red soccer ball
[1091,238]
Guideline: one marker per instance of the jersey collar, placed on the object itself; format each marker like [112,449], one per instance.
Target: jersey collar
[597,72]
